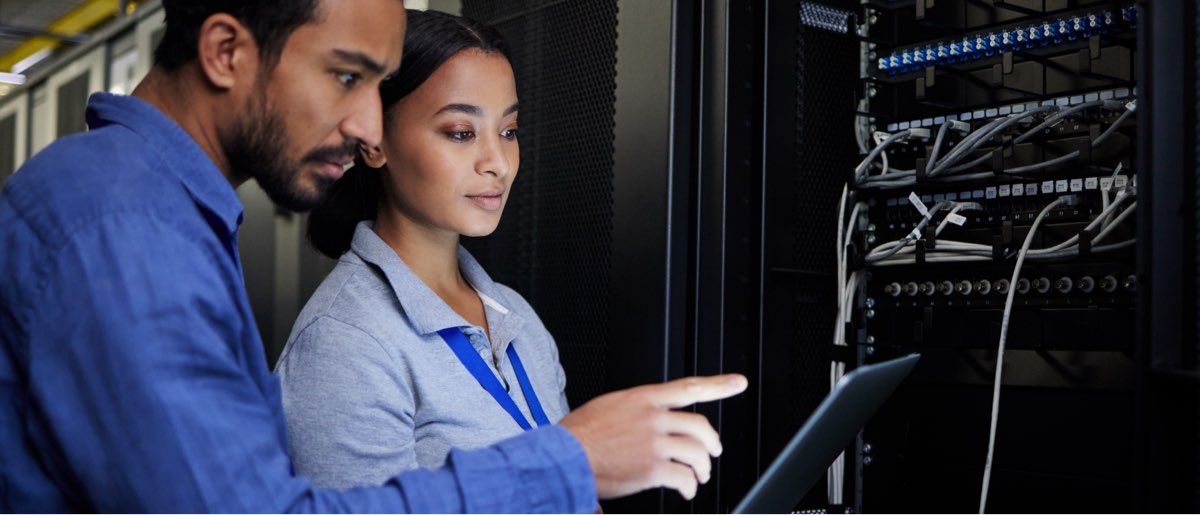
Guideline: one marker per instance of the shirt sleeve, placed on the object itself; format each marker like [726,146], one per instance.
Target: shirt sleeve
[348,405]
[145,402]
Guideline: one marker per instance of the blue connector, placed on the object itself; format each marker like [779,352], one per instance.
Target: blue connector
[1042,34]
[1130,15]
[1064,31]
[1007,40]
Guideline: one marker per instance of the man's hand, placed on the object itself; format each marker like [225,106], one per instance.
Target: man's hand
[634,441]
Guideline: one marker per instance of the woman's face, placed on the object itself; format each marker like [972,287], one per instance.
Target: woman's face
[451,146]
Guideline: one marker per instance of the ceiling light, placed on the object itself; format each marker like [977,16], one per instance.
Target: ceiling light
[32,60]
[12,78]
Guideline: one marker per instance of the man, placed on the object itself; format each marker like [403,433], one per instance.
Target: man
[131,374]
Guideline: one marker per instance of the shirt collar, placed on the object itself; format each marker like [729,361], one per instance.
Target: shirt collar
[180,153]
[427,312]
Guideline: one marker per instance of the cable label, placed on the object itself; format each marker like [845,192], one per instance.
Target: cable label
[916,202]
[956,219]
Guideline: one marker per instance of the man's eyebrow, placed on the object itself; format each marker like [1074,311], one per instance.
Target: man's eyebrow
[473,110]
[362,60]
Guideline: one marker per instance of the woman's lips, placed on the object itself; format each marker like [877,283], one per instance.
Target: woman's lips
[490,201]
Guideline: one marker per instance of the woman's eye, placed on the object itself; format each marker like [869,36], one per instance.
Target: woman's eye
[460,136]
[509,134]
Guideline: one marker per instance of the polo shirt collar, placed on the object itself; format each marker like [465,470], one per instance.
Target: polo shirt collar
[426,311]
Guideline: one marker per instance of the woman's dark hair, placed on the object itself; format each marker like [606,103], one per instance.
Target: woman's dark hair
[432,39]
[271,22]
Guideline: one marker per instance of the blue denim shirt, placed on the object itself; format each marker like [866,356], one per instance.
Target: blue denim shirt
[131,374]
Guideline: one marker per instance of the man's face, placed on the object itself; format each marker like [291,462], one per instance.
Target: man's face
[306,116]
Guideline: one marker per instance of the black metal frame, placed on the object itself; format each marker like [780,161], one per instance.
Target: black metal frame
[653,149]
[1166,352]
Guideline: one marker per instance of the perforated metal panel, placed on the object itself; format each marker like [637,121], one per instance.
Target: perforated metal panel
[72,101]
[554,242]
[8,151]
[826,64]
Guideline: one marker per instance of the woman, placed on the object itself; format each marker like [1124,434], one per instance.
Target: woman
[408,348]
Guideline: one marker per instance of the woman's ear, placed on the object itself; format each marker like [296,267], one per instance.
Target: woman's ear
[372,156]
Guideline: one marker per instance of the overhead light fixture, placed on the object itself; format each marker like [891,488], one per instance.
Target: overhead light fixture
[15,79]
[32,60]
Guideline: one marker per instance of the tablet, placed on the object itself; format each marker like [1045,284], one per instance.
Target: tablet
[824,435]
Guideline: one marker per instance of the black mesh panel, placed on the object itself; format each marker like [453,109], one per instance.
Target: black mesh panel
[826,64]
[72,103]
[799,312]
[1196,298]
[8,151]
[554,242]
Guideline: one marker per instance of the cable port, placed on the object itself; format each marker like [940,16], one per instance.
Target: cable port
[1002,286]
[892,289]
[1042,285]
[1023,286]
[1086,284]
[946,288]
[910,288]
[1108,284]
[964,287]
[928,288]
[983,286]
[1130,283]
[1064,285]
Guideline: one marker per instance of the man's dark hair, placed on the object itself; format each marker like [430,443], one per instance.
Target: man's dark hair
[271,22]
[432,39]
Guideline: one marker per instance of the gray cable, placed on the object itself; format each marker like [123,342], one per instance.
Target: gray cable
[1044,164]
[937,142]
[1112,128]
[1004,124]
[1008,303]
[903,242]
[1051,120]
[862,167]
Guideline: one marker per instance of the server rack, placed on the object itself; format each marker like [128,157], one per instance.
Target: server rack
[711,246]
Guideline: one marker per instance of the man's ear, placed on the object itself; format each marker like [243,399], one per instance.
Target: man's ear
[227,51]
[373,156]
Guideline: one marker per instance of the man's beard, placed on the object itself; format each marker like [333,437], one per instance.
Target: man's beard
[256,148]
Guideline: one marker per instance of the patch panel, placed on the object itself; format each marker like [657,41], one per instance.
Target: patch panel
[1011,39]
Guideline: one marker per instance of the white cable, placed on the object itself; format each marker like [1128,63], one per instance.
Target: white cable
[1008,303]
[1116,222]
[861,169]
[832,484]
[1100,220]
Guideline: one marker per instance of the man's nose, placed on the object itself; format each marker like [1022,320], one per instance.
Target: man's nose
[365,120]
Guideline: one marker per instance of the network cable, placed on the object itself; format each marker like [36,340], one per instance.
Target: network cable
[1008,304]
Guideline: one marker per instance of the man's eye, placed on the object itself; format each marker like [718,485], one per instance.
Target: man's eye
[348,79]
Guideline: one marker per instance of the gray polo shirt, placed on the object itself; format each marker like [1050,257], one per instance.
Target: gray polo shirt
[370,389]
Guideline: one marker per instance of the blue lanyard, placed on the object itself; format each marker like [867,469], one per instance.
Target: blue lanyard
[475,364]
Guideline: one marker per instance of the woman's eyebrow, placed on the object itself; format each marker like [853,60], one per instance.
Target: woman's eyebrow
[473,110]
[467,109]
